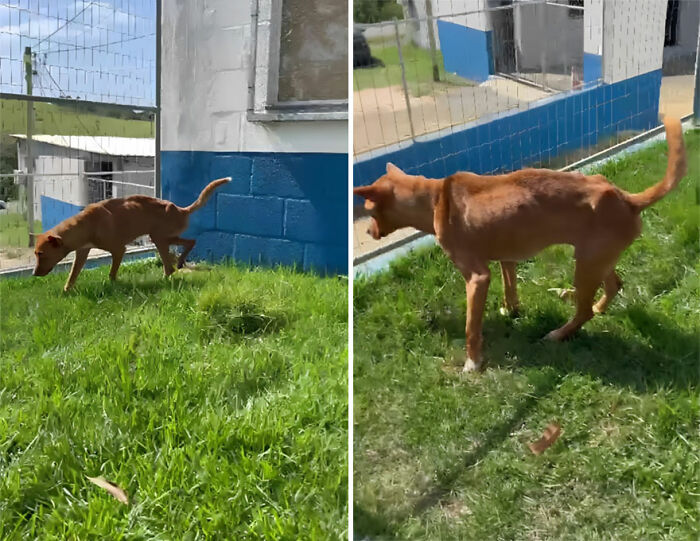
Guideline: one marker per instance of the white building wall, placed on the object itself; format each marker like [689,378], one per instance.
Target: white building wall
[206,49]
[593,27]
[633,38]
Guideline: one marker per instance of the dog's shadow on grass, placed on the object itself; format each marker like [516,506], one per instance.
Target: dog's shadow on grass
[128,284]
[658,354]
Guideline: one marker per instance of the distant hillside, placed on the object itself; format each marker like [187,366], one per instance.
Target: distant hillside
[54,119]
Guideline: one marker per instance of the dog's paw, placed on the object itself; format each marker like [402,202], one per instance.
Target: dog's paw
[509,312]
[598,308]
[472,366]
[554,336]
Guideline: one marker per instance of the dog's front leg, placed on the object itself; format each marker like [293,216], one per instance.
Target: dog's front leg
[477,277]
[81,255]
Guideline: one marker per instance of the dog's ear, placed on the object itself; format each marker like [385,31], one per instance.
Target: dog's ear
[392,170]
[55,241]
[372,192]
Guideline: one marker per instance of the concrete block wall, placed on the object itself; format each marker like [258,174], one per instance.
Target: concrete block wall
[287,203]
[633,38]
[280,208]
[516,139]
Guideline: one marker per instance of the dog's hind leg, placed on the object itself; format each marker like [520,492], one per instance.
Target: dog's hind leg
[511,304]
[117,255]
[81,255]
[164,251]
[588,277]
[611,286]
[187,245]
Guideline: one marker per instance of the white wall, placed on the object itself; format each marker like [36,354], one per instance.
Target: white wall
[60,173]
[204,86]
[130,165]
[633,38]
[593,27]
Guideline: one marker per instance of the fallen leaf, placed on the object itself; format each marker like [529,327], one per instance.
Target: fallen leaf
[551,433]
[110,487]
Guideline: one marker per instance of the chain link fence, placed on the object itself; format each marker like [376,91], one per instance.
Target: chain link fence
[77,112]
[495,85]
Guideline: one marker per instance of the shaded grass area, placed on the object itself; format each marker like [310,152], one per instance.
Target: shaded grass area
[217,398]
[419,71]
[439,455]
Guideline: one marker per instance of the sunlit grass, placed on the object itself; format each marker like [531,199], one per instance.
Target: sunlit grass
[216,398]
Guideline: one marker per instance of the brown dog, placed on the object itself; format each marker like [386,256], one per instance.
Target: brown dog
[111,224]
[508,218]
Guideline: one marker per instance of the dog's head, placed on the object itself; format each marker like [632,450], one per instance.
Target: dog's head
[392,201]
[49,249]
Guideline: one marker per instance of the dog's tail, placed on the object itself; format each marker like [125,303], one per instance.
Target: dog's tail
[675,170]
[206,194]
[441,218]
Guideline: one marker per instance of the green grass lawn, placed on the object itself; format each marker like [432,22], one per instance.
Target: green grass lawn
[419,71]
[439,455]
[13,230]
[216,398]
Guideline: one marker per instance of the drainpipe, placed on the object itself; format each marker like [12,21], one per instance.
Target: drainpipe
[254,10]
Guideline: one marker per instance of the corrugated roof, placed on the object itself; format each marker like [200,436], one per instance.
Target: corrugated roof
[113,146]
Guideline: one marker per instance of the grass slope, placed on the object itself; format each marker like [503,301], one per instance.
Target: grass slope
[53,119]
[439,455]
[217,399]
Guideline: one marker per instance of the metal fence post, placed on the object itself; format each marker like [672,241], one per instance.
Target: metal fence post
[543,52]
[28,74]
[431,40]
[403,77]
[696,99]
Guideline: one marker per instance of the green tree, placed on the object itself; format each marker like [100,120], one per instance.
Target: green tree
[373,11]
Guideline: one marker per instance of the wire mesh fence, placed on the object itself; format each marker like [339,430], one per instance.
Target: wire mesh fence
[495,85]
[77,112]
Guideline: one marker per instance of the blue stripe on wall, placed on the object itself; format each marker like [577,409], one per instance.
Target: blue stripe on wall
[466,51]
[592,67]
[512,140]
[280,208]
[54,211]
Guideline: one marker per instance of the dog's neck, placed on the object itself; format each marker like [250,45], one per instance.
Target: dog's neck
[74,237]
[426,193]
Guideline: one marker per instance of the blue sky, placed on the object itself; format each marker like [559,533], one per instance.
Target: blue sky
[99,51]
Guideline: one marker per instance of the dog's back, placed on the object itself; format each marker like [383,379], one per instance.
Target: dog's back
[121,220]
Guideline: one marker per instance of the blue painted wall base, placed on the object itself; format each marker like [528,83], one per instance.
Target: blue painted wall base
[513,140]
[466,51]
[592,67]
[280,208]
[54,211]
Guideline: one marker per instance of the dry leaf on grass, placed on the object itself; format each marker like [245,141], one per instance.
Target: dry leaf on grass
[110,487]
[551,433]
